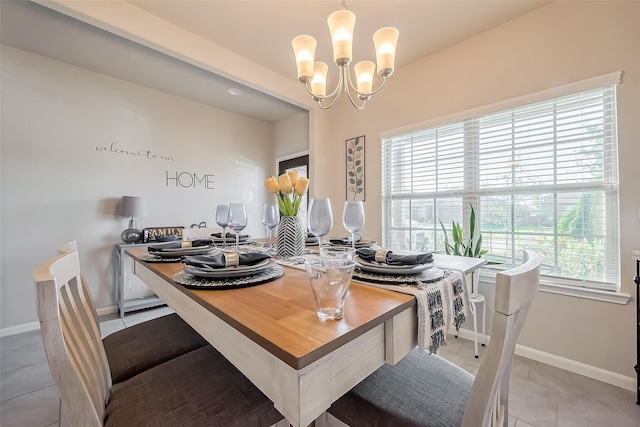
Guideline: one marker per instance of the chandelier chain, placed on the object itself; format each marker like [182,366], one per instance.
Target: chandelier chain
[343,5]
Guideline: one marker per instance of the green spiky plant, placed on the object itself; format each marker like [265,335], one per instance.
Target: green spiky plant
[471,247]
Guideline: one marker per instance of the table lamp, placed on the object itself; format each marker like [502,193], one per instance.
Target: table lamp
[132,207]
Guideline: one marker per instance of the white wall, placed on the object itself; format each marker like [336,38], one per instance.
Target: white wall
[291,135]
[554,45]
[61,180]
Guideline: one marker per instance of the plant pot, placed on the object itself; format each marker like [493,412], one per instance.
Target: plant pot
[291,237]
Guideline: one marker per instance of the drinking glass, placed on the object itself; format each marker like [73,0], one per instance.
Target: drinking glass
[237,220]
[353,219]
[320,218]
[329,279]
[270,220]
[222,213]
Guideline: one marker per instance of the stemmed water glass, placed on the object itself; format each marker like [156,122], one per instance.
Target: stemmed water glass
[320,219]
[237,220]
[353,218]
[270,220]
[222,213]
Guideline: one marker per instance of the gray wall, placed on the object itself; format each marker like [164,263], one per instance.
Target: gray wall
[61,178]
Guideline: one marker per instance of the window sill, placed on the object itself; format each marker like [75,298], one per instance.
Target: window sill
[547,286]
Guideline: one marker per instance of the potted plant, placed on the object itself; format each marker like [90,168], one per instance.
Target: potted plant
[471,247]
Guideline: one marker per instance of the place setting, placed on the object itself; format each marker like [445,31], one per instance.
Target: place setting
[385,266]
[229,269]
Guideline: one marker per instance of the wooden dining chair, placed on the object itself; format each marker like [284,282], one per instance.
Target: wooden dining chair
[426,390]
[137,348]
[198,388]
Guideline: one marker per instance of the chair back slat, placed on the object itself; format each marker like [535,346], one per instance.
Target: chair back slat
[72,246]
[72,340]
[489,397]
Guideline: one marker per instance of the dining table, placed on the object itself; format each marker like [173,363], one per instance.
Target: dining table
[271,333]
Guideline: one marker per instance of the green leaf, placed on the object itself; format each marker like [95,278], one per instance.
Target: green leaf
[472,223]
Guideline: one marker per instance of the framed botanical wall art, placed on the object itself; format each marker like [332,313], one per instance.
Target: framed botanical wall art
[354,155]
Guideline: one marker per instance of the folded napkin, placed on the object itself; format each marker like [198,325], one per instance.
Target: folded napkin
[223,260]
[390,258]
[346,240]
[230,236]
[177,245]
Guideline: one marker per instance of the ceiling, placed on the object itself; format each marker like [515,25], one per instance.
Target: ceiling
[260,30]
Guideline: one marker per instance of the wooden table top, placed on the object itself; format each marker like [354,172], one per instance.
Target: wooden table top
[280,316]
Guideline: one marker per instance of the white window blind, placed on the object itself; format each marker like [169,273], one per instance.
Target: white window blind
[541,176]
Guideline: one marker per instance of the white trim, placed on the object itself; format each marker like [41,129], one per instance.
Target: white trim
[613,378]
[33,326]
[543,95]
[615,297]
[586,293]
[18,329]
[289,157]
[107,310]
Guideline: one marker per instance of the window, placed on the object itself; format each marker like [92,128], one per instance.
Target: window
[541,176]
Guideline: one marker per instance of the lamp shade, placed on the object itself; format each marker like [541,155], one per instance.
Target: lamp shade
[341,24]
[364,75]
[319,82]
[304,48]
[385,41]
[132,206]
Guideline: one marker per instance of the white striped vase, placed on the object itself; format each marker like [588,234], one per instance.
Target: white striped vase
[291,236]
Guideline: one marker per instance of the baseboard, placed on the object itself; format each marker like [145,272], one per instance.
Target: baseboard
[107,310]
[619,380]
[18,329]
[613,378]
[33,326]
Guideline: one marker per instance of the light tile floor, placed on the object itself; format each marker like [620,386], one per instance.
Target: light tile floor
[541,395]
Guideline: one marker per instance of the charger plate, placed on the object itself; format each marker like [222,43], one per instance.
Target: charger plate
[430,275]
[189,281]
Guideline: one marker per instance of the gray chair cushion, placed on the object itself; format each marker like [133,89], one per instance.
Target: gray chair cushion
[421,390]
[140,347]
[198,389]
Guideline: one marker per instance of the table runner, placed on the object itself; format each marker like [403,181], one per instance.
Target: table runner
[441,304]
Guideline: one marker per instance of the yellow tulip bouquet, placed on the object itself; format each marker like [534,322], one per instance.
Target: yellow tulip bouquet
[289,189]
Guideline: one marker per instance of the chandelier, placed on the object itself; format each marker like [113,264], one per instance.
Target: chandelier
[314,74]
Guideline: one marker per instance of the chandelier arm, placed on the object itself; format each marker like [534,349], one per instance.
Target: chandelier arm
[366,95]
[347,78]
[364,101]
[335,94]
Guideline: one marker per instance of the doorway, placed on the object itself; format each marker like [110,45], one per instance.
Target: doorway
[298,163]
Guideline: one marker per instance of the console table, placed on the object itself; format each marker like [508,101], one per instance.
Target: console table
[124,274]
[636,257]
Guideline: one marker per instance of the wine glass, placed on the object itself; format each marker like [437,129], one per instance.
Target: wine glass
[222,213]
[237,220]
[270,220]
[320,219]
[353,218]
